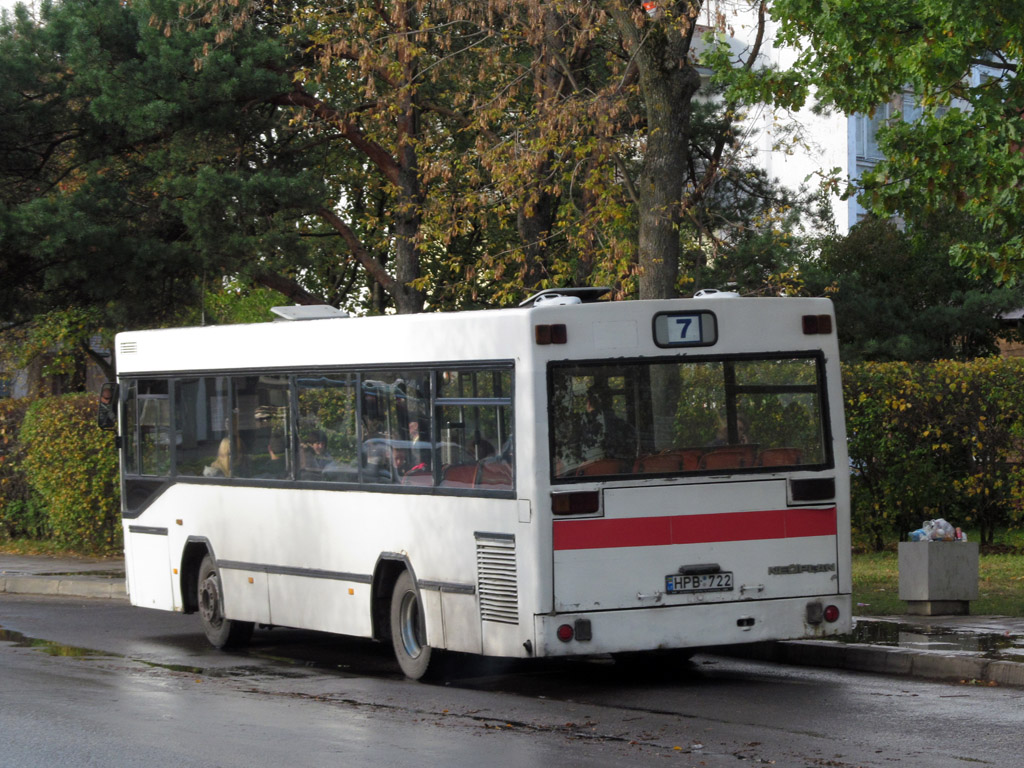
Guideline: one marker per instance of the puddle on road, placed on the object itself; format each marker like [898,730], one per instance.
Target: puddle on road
[916,637]
[52,648]
[49,647]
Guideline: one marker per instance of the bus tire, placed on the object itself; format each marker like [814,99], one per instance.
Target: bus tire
[408,633]
[221,632]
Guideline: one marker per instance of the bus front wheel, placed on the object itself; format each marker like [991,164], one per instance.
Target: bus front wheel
[221,632]
[408,634]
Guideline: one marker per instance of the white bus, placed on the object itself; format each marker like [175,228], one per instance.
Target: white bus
[570,477]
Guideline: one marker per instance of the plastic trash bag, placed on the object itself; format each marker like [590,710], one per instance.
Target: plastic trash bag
[937,530]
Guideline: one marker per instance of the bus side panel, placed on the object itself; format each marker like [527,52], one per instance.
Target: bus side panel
[245,595]
[306,558]
[433,617]
[461,622]
[148,567]
[504,639]
[325,605]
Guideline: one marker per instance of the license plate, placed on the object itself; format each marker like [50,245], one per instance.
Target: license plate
[678,583]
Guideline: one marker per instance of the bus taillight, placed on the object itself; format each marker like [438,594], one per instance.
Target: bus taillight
[576,503]
[580,630]
[831,613]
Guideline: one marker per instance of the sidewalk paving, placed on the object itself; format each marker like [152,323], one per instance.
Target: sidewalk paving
[979,650]
[64,576]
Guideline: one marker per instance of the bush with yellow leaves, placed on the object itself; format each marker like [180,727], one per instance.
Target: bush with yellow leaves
[72,467]
[942,439]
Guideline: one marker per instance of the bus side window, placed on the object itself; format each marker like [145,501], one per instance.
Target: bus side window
[130,440]
[475,415]
[495,474]
[154,423]
[326,421]
[202,416]
[396,433]
[262,427]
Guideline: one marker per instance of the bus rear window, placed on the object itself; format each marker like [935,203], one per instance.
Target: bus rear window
[689,416]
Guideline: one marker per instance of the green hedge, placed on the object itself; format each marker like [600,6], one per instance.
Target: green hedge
[935,440]
[71,466]
[22,514]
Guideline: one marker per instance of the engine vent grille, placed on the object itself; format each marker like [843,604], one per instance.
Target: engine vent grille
[497,585]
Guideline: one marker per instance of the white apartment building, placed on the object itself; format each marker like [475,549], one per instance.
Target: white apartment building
[799,148]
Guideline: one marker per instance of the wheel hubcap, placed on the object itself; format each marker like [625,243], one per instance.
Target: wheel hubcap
[410,626]
[209,601]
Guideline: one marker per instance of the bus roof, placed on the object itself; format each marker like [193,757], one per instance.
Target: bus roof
[594,330]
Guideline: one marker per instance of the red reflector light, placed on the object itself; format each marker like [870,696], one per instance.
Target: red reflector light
[814,324]
[550,334]
[831,613]
[565,633]
[576,503]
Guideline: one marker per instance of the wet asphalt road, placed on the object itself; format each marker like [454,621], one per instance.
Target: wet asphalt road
[90,682]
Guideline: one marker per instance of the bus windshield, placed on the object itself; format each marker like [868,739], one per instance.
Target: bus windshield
[691,415]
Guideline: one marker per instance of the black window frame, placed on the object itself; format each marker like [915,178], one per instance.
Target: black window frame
[732,391]
[152,483]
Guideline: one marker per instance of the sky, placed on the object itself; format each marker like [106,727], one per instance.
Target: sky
[9,4]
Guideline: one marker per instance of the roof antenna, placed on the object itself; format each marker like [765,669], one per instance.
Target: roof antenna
[582,295]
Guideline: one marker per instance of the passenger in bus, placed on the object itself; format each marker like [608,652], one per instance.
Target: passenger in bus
[399,459]
[386,462]
[419,450]
[378,460]
[221,466]
[724,453]
[315,457]
[722,433]
[275,466]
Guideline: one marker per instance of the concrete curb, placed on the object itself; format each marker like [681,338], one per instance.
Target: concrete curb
[885,660]
[65,586]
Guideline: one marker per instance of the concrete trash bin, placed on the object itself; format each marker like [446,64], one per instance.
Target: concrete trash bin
[938,577]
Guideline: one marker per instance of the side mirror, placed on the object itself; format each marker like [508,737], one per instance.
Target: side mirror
[106,412]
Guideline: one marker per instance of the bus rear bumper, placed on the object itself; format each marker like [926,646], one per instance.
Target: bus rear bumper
[691,626]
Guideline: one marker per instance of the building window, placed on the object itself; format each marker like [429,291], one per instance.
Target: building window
[867,132]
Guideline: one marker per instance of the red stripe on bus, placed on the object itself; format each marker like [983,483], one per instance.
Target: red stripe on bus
[694,529]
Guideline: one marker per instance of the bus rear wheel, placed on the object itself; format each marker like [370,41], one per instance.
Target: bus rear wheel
[408,633]
[221,632]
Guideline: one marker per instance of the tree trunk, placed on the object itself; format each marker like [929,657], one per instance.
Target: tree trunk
[408,299]
[669,84]
[409,211]
[554,79]
[533,222]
